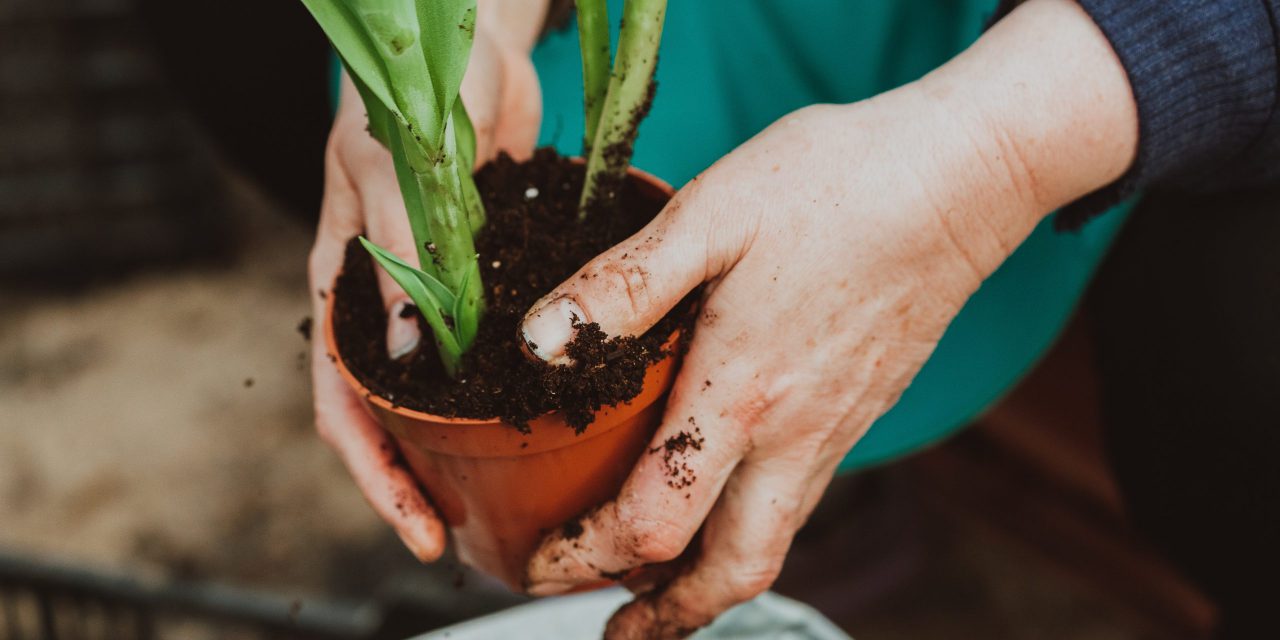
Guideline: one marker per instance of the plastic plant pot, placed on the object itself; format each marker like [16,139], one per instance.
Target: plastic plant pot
[500,490]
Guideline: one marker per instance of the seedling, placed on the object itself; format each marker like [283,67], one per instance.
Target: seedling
[407,59]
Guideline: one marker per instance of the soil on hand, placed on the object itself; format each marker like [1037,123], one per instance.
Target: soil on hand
[674,452]
[531,243]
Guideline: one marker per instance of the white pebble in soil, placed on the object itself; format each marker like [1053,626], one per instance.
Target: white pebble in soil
[530,193]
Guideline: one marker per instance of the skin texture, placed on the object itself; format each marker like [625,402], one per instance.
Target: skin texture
[838,244]
[501,94]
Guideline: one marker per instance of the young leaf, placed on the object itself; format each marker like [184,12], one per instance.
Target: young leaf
[413,283]
[434,286]
[465,321]
[465,147]
[465,134]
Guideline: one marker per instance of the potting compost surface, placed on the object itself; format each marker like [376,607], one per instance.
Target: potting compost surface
[531,243]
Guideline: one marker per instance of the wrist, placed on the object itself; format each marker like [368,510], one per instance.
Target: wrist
[1047,115]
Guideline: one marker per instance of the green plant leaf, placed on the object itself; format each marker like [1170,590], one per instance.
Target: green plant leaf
[437,288]
[465,149]
[347,32]
[414,283]
[447,29]
[465,135]
[465,321]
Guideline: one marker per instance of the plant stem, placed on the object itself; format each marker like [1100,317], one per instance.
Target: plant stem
[593,40]
[470,198]
[441,219]
[626,101]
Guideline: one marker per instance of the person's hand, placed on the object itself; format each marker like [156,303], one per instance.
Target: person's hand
[838,245]
[501,95]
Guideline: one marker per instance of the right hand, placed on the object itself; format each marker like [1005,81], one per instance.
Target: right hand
[502,97]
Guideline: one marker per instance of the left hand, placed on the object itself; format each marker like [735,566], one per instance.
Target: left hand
[500,91]
[838,245]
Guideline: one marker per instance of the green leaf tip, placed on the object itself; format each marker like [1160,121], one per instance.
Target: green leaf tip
[434,301]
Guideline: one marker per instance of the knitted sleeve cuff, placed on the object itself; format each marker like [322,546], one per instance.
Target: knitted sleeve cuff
[1204,76]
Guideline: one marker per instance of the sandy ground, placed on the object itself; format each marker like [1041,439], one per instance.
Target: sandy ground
[162,425]
[164,422]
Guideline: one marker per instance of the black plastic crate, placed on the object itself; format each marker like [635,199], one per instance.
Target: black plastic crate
[100,171]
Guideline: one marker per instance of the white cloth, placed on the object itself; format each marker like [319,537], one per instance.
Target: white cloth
[583,616]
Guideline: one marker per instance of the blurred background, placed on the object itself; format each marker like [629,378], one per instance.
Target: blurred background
[159,476]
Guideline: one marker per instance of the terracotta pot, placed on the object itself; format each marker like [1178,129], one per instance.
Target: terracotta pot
[500,490]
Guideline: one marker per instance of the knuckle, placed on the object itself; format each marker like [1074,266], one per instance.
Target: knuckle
[749,582]
[632,280]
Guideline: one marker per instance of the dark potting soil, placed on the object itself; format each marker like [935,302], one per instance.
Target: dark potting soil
[530,244]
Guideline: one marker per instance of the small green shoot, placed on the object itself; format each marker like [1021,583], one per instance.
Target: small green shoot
[624,104]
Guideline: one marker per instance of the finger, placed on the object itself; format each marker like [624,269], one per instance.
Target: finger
[373,461]
[669,492]
[630,287]
[340,419]
[744,543]
[386,225]
[480,91]
[652,576]
[520,110]
[339,221]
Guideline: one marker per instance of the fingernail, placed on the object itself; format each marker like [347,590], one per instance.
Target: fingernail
[549,328]
[402,333]
[415,547]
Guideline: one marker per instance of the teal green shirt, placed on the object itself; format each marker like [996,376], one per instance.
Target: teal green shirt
[729,68]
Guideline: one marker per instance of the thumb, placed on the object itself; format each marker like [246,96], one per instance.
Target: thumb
[628,288]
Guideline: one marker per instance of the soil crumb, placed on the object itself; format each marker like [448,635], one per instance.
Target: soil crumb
[304,328]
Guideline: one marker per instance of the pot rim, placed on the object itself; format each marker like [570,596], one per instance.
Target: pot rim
[331,350]
[335,355]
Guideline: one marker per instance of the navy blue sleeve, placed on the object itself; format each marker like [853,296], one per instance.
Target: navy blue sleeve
[1205,76]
